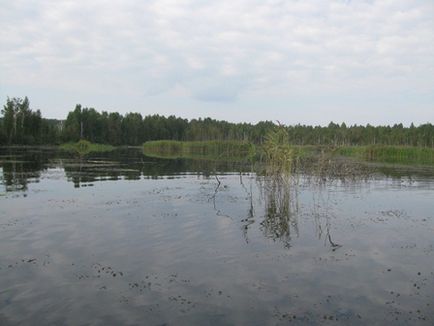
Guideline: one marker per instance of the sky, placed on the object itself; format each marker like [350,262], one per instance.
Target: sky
[295,61]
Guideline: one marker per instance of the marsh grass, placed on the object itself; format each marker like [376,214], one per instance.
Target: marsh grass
[210,150]
[84,147]
[279,156]
[390,154]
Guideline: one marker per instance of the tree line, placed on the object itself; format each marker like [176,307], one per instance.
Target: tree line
[21,125]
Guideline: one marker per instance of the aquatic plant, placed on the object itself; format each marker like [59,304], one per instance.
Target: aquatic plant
[279,154]
[83,147]
[390,154]
[212,150]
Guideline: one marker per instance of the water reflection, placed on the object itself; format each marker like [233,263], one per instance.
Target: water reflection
[275,204]
[279,199]
[278,196]
[281,208]
[19,169]
[20,166]
[202,242]
[322,213]
[250,217]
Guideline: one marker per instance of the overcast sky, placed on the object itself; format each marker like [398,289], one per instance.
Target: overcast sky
[306,61]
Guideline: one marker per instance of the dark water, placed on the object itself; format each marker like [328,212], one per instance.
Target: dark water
[122,239]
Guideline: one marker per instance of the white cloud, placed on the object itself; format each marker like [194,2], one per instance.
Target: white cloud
[219,50]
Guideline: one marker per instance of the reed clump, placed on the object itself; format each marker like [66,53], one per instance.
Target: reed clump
[279,154]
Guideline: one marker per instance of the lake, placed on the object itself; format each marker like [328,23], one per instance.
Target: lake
[119,238]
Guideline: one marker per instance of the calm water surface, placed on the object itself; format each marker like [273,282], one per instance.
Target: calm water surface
[123,239]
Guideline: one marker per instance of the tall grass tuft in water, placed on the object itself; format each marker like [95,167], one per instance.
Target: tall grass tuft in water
[280,161]
[279,154]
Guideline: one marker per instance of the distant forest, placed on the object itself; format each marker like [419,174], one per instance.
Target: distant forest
[19,125]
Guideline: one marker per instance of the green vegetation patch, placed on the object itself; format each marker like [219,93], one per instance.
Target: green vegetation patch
[213,150]
[390,154]
[83,147]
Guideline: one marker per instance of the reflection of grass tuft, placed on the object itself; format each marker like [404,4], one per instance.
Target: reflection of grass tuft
[211,150]
[83,147]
